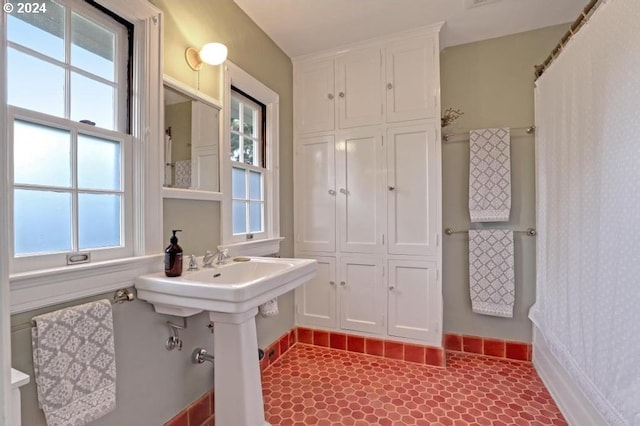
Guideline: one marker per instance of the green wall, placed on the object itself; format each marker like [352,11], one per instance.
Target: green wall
[491,81]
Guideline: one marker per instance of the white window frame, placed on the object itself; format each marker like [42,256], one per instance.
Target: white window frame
[248,168]
[24,291]
[267,242]
[37,261]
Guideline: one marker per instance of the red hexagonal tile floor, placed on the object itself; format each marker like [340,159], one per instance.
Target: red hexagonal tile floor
[311,385]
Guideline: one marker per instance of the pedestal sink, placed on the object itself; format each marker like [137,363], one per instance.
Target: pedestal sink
[231,294]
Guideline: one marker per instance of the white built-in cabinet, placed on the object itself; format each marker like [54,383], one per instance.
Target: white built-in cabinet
[367,184]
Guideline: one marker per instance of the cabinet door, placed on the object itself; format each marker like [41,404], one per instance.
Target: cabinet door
[359,165]
[414,300]
[315,194]
[316,299]
[314,111]
[361,294]
[412,190]
[359,88]
[411,79]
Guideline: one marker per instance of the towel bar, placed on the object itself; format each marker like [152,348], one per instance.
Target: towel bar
[120,296]
[531,232]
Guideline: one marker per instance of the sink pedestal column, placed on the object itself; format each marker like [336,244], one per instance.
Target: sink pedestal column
[238,388]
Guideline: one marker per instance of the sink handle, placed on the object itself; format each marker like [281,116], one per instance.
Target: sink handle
[193,263]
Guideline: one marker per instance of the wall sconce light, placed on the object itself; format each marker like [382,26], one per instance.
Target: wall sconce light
[211,53]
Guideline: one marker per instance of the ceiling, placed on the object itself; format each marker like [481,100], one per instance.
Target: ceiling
[302,27]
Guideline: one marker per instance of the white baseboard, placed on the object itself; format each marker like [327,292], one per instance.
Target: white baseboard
[574,405]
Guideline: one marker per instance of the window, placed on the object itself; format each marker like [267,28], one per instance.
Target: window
[68,106]
[249,172]
[247,150]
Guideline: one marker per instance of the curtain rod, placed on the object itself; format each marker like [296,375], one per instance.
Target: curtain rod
[575,27]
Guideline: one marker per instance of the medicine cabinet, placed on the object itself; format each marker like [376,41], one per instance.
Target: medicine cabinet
[191,163]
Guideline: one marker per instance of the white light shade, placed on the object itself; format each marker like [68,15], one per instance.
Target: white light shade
[213,53]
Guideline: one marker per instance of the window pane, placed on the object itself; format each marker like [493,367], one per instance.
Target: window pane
[42,221]
[41,155]
[249,115]
[92,100]
[239,217]
[235,114]
[235,147]
[98,220]
[42,32]
[238,183]
[35,84]
[92,47]
[255,185]
[255,217]
[248,148]
[98,163]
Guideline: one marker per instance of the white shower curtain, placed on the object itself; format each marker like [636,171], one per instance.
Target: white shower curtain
[588,210]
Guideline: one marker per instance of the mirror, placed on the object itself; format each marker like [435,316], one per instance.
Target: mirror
[191,129]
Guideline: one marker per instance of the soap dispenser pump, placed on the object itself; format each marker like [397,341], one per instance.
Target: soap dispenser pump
[173,257]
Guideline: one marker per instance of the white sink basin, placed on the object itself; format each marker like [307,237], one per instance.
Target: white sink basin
[231,294]
[232,288]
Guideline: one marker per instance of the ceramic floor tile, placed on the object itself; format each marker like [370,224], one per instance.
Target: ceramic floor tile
[312,385]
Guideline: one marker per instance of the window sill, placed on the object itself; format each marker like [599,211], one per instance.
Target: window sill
[254,248]
[33,290]
[190,194]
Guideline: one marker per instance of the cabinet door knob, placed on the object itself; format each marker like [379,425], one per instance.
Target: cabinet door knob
[341,94]
[343,191]
[330,96]
[389,86]
[332,283]
[391,188]
[392,287]
[332,192]
[342,283]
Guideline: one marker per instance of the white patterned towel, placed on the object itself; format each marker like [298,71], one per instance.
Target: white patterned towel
[491,275]
[489,175]
[74,363]
[269,309]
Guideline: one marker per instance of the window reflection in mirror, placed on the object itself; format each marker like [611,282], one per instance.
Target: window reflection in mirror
[191,125]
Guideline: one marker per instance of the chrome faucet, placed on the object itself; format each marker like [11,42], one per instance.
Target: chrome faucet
[207,260]
[222,256]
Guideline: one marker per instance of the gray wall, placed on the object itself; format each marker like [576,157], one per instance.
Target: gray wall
[154,384]
[492,83]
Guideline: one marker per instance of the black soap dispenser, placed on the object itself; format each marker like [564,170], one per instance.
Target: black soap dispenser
[173,257]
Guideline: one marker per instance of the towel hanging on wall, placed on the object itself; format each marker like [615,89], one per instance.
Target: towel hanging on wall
[491,274]
[269,308]
[74,363]
[489,175]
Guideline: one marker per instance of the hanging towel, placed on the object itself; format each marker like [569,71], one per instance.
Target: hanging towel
[491,275]
[269,309]
[167,160]
[74,363]
[489,175]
